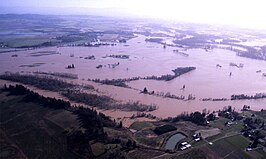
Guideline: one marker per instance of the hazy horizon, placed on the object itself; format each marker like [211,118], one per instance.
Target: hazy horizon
[245,14]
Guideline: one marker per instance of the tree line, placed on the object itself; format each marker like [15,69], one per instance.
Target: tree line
[105,102]
[199,118]
[45,82]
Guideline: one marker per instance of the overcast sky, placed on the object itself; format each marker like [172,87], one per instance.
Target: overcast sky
[246,13]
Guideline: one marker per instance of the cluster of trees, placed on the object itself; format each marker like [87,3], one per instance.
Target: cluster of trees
[93,123]
[254,129]
[182,70]
[105,102]
[70,66]
[101,102]
[59,74]
[245,108]
[195,117]
[31,96]
[46,82]
[114,82]
[164,129]
[214,99]
[242,96]
[136,106]
[120,56]
[122,82]
[92,57]
[167,95]
[177,72]
[86,44]
[230,113]
[198,118]
[142,114]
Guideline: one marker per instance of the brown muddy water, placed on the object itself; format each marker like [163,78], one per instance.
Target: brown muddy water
[146,59]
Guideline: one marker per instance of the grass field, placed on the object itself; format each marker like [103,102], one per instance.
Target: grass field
[220,123]
[259,153]
[141,125]
[149,138]
[209,132]
[195,152]
[64,119]
[238,141]
[97,148]
[234,147]
[213,138]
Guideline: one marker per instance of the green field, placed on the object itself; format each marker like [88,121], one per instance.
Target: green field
[220,123]
[149,138]
[234,147]
[97,149]
[141,125]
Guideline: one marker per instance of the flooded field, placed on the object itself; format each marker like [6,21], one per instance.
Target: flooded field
[147,59]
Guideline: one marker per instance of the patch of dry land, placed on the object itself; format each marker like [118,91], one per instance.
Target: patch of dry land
[209,132]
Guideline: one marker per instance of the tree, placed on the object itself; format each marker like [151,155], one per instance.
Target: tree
[120,124]
[198,118]
[211,117]
[229,109]
[145,90]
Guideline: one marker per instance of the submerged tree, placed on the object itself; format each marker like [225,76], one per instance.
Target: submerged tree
[145,90]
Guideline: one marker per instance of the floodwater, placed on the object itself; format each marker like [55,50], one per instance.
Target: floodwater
[173,140]
[147,59]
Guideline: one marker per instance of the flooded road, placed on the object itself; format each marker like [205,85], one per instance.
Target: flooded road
[147,59]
